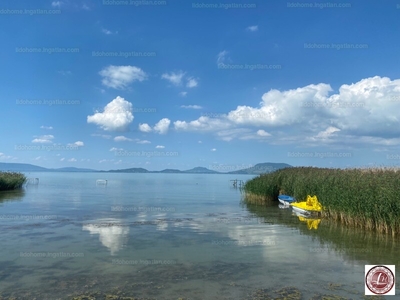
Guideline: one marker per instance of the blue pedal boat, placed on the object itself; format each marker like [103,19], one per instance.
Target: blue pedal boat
[285,199]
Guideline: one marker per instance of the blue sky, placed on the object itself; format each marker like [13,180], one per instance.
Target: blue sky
[180,84]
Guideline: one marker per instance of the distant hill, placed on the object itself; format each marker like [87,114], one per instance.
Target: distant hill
[169,171]
[201,170]
[262,168]
[255,170]
[73,169]
[16,167]
[130,170]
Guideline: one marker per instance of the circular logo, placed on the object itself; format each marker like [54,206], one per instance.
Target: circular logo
[379,280]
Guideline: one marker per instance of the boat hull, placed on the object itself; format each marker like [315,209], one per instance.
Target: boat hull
[285,200]
[300,211]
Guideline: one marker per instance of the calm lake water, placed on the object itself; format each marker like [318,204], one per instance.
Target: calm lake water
[170,236]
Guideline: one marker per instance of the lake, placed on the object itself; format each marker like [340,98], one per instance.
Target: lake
[171,236]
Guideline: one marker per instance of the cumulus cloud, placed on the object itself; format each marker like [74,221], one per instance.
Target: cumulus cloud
[77,144]
[174,77]
[262,133]
[117,115]
[252,28]
[213,149]
[143,142]
[145,127]
[122,138]
[191,82]
[369,108]
[46,127]
[160,147]
[162,126]
[183,94]
[116,149]
[72,160]
[119,77]
[43,139]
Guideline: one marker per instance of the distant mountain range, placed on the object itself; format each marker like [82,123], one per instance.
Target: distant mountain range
[255,170]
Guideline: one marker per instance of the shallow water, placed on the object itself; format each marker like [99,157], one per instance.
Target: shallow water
[166,236]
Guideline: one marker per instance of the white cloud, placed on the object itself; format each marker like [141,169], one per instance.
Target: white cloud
[200,142]
[213,149]
[143,142]
[174,78]
[78,144]
[191,82]
[252,28]
[119,77]
[160,147]
[43,139]
[327,133]
[145,127]
[263,133]
[116,149]
[162,126]
[222,56]
[57,3]
[368,109]
[183,94]
[117,115]
[85,7]
[122,138]
[46,127]
[62,159]
[203,124]
[191,106]
[72,160]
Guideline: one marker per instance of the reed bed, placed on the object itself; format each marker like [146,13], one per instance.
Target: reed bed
[11,180]
[366,198]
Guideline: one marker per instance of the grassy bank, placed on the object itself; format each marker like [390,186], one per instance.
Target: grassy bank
[11,181]
[367,198]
